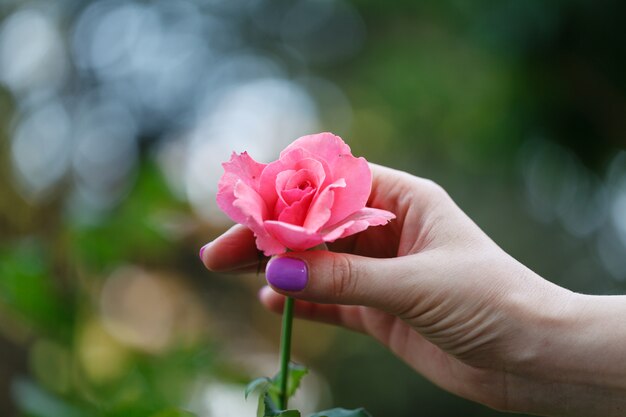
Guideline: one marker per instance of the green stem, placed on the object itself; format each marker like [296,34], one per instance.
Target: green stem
[285,351]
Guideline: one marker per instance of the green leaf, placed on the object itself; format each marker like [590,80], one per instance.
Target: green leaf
[260,409]
[289,413]
[260,384]
[270,409]
[270,394]
[342,412]
[296,373]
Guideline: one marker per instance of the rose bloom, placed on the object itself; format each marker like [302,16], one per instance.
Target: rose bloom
[316,192]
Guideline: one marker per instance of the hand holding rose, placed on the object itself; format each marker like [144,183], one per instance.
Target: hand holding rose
[438,292]
[314,193]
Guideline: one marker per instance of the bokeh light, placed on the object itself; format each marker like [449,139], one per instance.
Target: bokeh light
[41,149]
[32,52]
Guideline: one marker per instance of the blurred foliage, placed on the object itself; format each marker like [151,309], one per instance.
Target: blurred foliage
[517,107]
[132,231]
[49,304]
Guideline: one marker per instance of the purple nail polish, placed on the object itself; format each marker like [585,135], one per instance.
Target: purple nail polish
[287,274]
[202,250]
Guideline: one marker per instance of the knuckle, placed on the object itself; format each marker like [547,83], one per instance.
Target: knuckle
[431,191]
[433,188]
[344,278]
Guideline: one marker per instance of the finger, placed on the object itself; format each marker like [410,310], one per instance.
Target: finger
[340,278]
[345,316]
[400,338]
[235,250]
[256,268]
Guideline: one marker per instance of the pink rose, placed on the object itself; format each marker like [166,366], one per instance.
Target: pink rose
[316,192]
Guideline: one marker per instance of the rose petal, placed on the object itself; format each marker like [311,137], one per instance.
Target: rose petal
[237,196]
[245,168]
[279,185]
[316,174]
[341,164]
[325,146]
[291,190]
[296,213]
[282,178]
[253,209]
[296,194]
[268,245]
[302,176]
[357,222]
[321,208]
[239,168]
[358,176]
[288,197]
[294,237]
[295,160]
[249,203]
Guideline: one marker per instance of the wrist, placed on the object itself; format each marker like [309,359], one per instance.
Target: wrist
[574,359]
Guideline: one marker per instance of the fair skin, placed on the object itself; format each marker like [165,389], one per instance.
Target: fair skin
[442,296]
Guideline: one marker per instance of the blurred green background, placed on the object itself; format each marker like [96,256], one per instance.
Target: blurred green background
[115,116]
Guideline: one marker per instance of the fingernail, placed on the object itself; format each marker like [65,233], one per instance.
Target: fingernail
[287,274]
[202,250]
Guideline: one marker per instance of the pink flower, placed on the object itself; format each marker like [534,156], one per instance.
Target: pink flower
[316,192]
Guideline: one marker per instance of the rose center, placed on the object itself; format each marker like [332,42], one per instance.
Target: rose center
[304,185]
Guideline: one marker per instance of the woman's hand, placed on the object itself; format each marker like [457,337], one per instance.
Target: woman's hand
[441,295]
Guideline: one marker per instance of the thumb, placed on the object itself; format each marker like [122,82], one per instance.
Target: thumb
[339,278]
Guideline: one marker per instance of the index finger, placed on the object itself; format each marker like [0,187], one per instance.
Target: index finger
[233,250]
